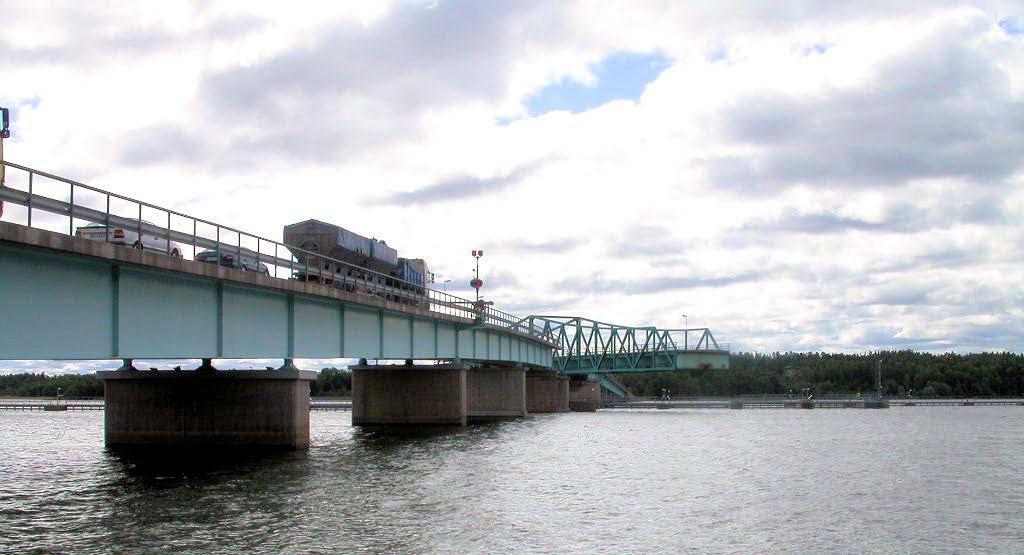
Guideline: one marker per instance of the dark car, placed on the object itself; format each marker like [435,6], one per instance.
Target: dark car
[245,262]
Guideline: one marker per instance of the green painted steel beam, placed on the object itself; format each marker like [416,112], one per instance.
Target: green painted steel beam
[647,363]
[67,306]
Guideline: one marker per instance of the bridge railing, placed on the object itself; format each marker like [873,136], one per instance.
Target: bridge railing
[64,205]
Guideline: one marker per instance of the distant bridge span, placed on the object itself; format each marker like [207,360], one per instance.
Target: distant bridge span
[587,346]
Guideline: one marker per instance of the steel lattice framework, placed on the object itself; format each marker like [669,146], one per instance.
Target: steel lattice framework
[589,346]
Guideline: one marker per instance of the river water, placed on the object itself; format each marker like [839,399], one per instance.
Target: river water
[903,480]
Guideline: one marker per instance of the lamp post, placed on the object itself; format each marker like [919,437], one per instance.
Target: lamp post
[445,284]
[477,283]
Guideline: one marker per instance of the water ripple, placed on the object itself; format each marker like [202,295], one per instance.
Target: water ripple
[935,480]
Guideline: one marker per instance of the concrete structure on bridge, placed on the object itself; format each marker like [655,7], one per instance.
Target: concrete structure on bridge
[207,408]
[78,299]
[437,394]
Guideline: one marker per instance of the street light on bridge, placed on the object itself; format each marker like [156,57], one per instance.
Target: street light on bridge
[476,282]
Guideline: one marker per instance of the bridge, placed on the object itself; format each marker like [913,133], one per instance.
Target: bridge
[74,298]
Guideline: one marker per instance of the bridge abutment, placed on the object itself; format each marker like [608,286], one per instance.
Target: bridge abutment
[547,391]
[495,393]
[222,408]
[393,395]
[584,395]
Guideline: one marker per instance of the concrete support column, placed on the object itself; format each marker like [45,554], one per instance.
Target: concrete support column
[402,395]
[242,408]
[495,393]
[584,395]
[547,391]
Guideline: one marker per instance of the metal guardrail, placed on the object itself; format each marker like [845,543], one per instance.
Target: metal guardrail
[119,211]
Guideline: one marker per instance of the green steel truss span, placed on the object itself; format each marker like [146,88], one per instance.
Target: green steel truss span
[590,347]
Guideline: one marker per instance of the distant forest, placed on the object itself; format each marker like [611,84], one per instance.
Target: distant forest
[903,373]
[330,382]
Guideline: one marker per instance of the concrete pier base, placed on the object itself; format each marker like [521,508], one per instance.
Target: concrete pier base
[584,395]
[430,395]
[495,393]
[223,408]
[546,392]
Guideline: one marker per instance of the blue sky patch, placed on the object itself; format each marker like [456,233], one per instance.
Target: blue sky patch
[622,75]
[717,53]
[817,48]
[1012,26]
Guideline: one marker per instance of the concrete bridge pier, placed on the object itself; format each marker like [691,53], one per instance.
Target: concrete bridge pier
[584,394]
[546,391]
[211,408]
[495,393]
[397,395]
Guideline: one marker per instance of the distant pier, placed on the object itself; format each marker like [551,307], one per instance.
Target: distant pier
[775,403]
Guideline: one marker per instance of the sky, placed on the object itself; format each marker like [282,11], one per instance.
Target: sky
[796,176]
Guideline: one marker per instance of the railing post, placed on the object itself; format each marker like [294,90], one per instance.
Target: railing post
[219,261]
[30,174]
[195,232]
[168,232]
[139,239]
[71,212]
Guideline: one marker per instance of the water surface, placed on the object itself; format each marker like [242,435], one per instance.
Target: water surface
[906,480]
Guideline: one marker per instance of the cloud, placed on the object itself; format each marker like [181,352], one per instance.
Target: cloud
[905,294]
[936,110]
[897,217]
[656,284]
[358,86]
[457,188]
[160,144]
[553,246]
[645,241]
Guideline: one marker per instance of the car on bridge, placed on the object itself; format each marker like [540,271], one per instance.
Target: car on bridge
[130,237]
[233,259]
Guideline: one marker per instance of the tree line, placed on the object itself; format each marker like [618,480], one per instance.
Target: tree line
[904,373]
[330,382]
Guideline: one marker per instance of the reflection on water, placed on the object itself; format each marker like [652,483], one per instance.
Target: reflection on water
[944,479]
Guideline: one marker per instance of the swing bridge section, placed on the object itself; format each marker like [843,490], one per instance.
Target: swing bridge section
[587,346]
